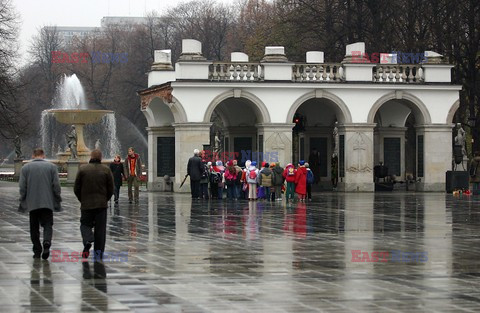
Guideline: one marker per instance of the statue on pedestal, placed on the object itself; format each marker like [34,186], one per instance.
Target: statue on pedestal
[335,139]
[17,142]
[459,150]
[217,147]
[460,138]
[72,143]
[97,144]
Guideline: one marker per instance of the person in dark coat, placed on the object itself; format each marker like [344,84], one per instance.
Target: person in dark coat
[278,180]
[475,173]
[118,175]
[195,170]
[94,188]
[40,196]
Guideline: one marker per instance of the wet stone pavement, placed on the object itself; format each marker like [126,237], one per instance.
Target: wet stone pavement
[186,256]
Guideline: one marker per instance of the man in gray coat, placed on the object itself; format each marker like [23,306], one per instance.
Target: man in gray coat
[40,196]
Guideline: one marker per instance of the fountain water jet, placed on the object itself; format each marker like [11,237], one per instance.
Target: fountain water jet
[70,108]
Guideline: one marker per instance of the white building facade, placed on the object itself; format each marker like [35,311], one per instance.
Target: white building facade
[398,114]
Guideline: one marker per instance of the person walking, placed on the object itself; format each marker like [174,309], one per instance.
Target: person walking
[195,170]
[278,181]
[93,188]
[118,175]
[40,196]
[475,173]
[301,180]
[133,167]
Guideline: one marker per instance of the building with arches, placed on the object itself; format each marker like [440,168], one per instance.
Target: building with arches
[398,114]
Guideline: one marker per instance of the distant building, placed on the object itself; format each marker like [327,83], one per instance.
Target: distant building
[122,20]
[66,33]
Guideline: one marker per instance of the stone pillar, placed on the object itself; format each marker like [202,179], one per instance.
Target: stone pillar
[277,142]
[72,170]
[188,137]
[155,182]
[436,154]
[358,157]
[18,164]
[390,132]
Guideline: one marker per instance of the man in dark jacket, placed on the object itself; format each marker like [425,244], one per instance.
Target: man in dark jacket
[278,181]
[194,170]
[118,175]
[40,196]
[94,188]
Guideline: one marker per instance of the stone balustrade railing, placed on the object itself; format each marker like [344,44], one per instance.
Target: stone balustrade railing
[317,72]
[395,73]
[234,71]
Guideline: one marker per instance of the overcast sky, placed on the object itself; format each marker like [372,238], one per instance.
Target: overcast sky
[37,13]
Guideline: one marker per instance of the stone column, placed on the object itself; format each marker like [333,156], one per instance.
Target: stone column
[358,157]
[156,183]
[188,137]
[390,132]
[436,152]
[277,142]
[18,164]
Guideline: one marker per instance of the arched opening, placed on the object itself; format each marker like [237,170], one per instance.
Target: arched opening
[234,132]
[397,146]
[315,138]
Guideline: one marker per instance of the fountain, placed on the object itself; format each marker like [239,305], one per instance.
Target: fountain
[69,107]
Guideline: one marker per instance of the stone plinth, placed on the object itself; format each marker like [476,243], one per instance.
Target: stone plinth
[18,164]
[315,57]
[238,57]
[72,170]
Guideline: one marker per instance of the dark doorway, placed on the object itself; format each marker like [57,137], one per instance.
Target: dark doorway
[243,146]
[320,143]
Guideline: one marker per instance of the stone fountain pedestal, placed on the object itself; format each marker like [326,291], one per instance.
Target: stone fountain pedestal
[18,164]
[72,170]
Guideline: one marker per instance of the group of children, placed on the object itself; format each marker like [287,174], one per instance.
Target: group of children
[252,183]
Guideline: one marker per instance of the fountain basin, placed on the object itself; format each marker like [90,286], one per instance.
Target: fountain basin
[77,117]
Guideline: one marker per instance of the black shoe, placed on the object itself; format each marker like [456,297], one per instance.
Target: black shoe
[86,250]
[36,255]
[129,201]
[46,250]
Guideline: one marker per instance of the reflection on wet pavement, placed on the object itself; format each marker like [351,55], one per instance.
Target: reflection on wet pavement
[241,256]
